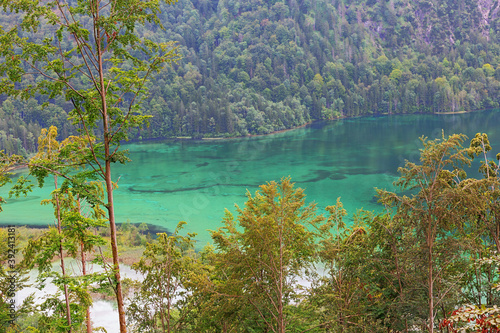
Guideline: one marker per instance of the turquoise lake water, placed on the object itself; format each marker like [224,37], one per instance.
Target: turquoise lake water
[194,181]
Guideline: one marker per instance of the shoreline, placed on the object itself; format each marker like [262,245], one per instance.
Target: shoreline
[280,131]
[452,112]
[129,253]
[152,229]
[208,139]
[248,135]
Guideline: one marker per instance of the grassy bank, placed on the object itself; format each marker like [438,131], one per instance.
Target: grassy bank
[131,239]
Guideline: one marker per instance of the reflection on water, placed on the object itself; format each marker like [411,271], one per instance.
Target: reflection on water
[195,181]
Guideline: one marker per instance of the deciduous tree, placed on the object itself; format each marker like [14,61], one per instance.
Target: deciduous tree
[263,254]
[433,213]
[95,40]
[170,267]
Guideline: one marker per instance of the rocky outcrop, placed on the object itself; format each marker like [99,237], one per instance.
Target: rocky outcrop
[439,23]
[490,10]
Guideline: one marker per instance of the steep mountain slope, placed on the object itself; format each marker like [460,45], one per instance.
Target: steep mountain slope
[253,66]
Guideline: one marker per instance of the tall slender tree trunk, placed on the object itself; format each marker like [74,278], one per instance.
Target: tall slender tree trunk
[109,183]
[61,254]
[84,272]
[281,318]
[110,205]
[168,269]
[497,228]
[431,291]
[114,246]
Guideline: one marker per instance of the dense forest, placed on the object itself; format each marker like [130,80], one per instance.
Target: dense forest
[101,71]
[254,67]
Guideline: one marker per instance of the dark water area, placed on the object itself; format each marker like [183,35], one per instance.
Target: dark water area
[195,181]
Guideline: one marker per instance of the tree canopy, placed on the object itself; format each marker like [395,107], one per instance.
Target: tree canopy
[256,67]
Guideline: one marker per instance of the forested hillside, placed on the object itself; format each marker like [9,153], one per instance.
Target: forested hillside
[254,67]
[428,263]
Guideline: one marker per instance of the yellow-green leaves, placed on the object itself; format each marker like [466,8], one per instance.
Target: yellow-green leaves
[261,256]
[172,271]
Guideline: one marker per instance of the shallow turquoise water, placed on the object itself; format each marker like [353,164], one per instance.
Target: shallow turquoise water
[195,181]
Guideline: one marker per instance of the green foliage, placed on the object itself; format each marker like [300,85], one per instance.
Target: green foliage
[430,259]
[373,57]
[344,295]
[440,217]
[76,238]
[93,58]
[260,259]
[13,278]
[171,269]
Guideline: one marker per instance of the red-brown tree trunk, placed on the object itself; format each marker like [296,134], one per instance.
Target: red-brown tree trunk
[109,188]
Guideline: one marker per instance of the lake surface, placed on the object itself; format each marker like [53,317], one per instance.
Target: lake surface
[195,181]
